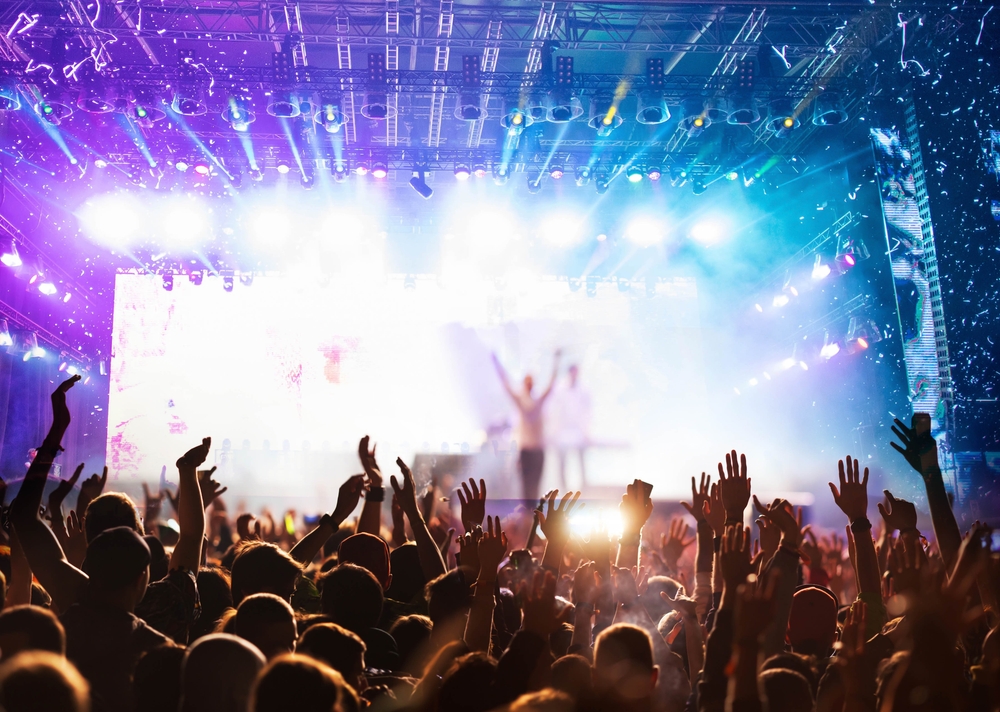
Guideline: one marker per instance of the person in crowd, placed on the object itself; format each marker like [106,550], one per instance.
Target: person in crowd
[345,616]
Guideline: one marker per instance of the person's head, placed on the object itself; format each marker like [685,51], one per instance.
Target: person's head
[801,664]
[30,628]
[216,598]
[786,690]
[40,681]
[110,510]
[339,648]
[317,687]
[448,595]
[623,664]
[268,622]
[572,674]
[261,567]
[156,683]
[412,635]
[117,563]
[529,384]
[352,597]
[463,685]
[159,562]
[218,673]
[407,576]
[546,700]
[370,552]
[812,621]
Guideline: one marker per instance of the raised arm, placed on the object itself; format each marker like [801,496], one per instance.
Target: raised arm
[502,374]
[552,381]
[635,509]
[492,548]
[190,510]
[64,582]
[920,450]
[852,498]
[370,520]
[431,562]
[308,546]
[555,527]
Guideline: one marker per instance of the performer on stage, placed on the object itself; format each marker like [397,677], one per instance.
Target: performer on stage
[531,435]
[571,424]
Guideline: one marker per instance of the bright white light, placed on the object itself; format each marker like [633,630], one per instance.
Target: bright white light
[780,300]
[830,350]
[47,288]
[270,226]
[602,237]
[754,381]
[788,363]
[11,259]
[710,230]
[38,352]
[803,365]
[67,297]
[112,220]
[562,230]
[183,223]
[820,270]
[646,232]
[758,307]
[72,370]
[340,227]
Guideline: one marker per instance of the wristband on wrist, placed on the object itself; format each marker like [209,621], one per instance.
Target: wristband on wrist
[717,544]
[630,540]
[909,530]
[586,608]
[375,494]
[861,524]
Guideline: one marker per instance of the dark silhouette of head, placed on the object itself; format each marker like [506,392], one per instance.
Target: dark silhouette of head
[25,628]
[268,622]
[156,684]
[318,687]
[369,552]
[111,509]
[218,673]
[339,648]
[261,567]
[40,680]
[352,597]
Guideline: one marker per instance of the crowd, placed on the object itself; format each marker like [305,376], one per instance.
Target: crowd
[106,611]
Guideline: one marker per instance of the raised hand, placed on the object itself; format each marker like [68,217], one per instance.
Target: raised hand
[348,498]
[407,492]
[907,566]
[781,514]
[685,607]
[57,495]
[585,584]
[918,445]
[851,650]
[473,503]
[75,543]
[715,511]
[853,495]
[555,523]
[626,586]
[734,557]
[195,456]
[90,489]
[492,549]
[60,413]
[898,514]
[373,474]
[734,487]
[539,607]
[468,549]
[398,523]
[754,609]
[244,529]
[699,498]
[672,546]
[211,490]
[769,536]
[635,509]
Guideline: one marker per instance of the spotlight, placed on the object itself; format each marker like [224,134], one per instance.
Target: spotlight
[306,180]
[330,115]
[10,100]
[462,171]
[11,259]
[654,173]
[196,278]
[188,102]
[47,288]
[634,174]
[238,114]
[678,176]
[829,110]
[97,96]
[582,175]
[5,338]
[419,183]
[256,175]
[780,300]
[380,170]
[181,165]
[202,168]
[168,281]
[698,186]
[556,172]
[538,106]
[820,270]
[53,111]
[376,102]
[534,182]
[850,252]
[479,170]
[283,167]
[246,279]
[695,117]
[469,107]
[645,232]
[604,116]
[782,119]
[651,107]
[227,283]
[362,168]
[143,110]
[339,171]
[284,105]
[564,105]
[500,174]
[863,331]
[516,120]
[601,182]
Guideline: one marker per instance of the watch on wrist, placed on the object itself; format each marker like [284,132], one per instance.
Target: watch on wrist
[375,494]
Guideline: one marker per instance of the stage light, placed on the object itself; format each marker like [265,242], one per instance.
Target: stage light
[202,168]
[556,172]
[362,168]
[634,174]
[13,258]
[339,171]
[184,222]
[698,187]
[820,270]
[96,98]
[582,174]
[306,180]
[5,339]
[196,278]
[283,167]
[47,288]
[330,115]
[780,300]
[862,342]
[256,175]
[144,111]
[782,118]
[246,279]
[710,231]
[744,107]
[732,175]
[863,329]
[651,106]
[113,220]
[516,120]
[238,114]
[645,231]
[10,99]
[168,282]
[419,183]
[695,120]
[604,116]
[67,297]
[500,174]
[227,283]
[479,170]
[53,111]
[469,107]
[462,171]
[829,350]
[601,182]
[284,104]
[654,173]
[380,170]
[181,165]
[829,110]
[100,163]
[788,363]
[534,180]
[678,176]
[188,102]
[270,226]
[850,251]
[562,230]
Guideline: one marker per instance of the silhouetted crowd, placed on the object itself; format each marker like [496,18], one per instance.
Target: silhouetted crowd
[111,609]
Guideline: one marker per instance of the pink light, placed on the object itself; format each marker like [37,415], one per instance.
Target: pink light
[201,169]
[380,173]
[849,259]
[862,343]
